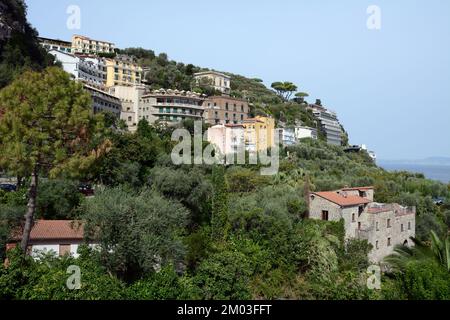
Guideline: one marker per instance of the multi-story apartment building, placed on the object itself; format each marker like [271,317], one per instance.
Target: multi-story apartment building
[55,44]
[305,132]
[383,225]
[171,106]
[130,98]
[123,71]
[103,101]
[217,80]
[85,45]
[259,133]
[225,110]
[329,123]
[228,139]
[286,136]
[89,69]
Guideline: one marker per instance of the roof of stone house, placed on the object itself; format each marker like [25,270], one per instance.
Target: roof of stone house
[342,200]
[358,188]
[395,207]
[54,230]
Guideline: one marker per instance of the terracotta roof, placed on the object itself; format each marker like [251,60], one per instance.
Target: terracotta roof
[54,230]
[358,188]
[343,201]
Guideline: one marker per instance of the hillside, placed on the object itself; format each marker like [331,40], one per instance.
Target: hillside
[207,232]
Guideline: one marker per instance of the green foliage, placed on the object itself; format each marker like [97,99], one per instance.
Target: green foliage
[188,185]
[219,204]
[46,278]
[58,200]
[423,280]
[47,125]
[10,218]
[21,51]
[136,232]
[163,285]
[224,275]
[284,89]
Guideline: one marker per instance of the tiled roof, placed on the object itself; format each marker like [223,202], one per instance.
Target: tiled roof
[358,188]
[343,201]
[54,230]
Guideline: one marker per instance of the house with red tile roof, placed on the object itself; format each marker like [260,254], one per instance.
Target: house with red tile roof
[383,225]
[60,236]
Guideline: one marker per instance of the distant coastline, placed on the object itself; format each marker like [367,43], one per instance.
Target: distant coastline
[432,168]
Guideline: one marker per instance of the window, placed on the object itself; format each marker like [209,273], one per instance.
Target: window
[325,215]
[226,106]
[389,242]
[359,225]
[401,228]
[388,223]
[409,225]
[377,245]
[64,249]
[361,210]
[353,218]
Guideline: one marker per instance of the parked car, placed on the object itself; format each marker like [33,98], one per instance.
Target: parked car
[8,187]
[86,189]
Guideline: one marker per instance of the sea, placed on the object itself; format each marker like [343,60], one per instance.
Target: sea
[431,171]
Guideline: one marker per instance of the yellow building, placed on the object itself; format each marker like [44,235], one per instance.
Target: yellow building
[122,71]
[85,45]
[259,133]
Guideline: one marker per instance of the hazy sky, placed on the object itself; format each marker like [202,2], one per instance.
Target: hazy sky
[390,87]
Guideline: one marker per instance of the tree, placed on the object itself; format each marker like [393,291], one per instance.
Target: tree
[284,89]
[20,50]
[300,97]
[137,233]
[439,251]
[47,127]
[219,214]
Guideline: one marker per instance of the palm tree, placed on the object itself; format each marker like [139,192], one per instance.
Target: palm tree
[439,250]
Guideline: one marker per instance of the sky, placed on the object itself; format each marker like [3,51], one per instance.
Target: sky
[389,86]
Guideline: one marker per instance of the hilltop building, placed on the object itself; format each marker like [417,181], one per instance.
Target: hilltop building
[102,101]
[86,45]
[218,81]
[172,106]
[305,132]
[286,136]
[225,110]
[382,225]
[228,139]
[259,133]
[122,71]
[329,123]
[56,44]
[130,98]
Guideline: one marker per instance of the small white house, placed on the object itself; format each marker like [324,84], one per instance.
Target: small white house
[58,236]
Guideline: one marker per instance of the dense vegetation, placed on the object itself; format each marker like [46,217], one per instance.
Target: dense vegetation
[205,232]
[20,50]
[214,232]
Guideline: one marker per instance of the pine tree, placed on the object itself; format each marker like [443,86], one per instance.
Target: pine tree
[219,215]
[47,128]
